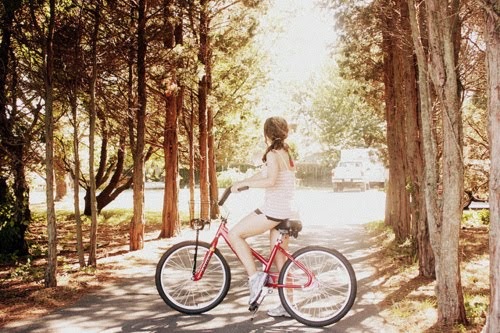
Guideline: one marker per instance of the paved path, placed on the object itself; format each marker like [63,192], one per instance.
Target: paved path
[133,304]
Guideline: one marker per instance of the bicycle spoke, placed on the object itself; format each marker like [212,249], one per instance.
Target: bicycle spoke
[175,284]
[330,294]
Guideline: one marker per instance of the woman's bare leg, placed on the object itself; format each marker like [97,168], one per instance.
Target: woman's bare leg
[251,225]
[280,258]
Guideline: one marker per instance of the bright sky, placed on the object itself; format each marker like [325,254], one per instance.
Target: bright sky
[296,35]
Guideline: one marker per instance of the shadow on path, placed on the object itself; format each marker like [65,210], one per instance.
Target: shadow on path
[132,304]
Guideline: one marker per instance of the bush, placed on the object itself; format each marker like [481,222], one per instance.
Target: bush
[12,229]
[476,218]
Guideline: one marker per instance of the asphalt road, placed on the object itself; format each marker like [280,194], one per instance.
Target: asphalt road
[133,304]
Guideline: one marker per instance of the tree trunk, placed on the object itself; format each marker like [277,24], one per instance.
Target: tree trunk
[492,38]
[414,147]
[170,215]
[22,213]
[397,200]
[202,112]
[118,182]
[138,224]
[76,173]
[51,270]
[192,176]
[441,25]
[60,179]
[92,260]
[429,149]
[212,168]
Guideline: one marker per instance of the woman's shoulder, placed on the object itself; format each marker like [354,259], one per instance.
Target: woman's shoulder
[276,154]
[281,157]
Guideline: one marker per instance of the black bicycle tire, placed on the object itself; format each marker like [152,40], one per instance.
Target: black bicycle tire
[168,297]
[349,302]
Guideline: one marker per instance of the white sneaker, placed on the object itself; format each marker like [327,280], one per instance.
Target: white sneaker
[255,284]
[278,311]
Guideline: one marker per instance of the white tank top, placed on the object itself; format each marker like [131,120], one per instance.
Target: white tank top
[278,199]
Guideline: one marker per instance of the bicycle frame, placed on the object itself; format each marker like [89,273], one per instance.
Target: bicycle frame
[222,231]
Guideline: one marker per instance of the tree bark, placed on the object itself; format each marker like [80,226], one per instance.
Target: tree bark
[118,181]
[492,37]
[192,176]
[442,19]
[397,201]
[212,168]
[60,179]
[416,161]
[92,259]
[76,178]
[202,111]
[138,224]
[170,214]
[51,270]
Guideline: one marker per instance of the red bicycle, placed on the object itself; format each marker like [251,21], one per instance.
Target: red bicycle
[317,285]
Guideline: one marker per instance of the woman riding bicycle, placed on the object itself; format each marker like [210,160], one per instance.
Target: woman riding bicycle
[278,179]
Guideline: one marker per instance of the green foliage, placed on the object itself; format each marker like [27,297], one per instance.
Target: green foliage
[11,226]
[341,116]
[237,71]
[27,272]
[474,218]
[476,307]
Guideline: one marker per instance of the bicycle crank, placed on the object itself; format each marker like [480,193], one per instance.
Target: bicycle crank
[255,305]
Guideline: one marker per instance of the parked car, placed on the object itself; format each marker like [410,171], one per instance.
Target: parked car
[359,169]
[349,174]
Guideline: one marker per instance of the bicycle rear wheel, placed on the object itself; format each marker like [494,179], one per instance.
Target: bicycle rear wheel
[174,278]
[332,292]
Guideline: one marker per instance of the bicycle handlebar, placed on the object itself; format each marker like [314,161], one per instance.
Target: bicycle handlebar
[227,192]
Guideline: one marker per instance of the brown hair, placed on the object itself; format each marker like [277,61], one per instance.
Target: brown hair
[276,130]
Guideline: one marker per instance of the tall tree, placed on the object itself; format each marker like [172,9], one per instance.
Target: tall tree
[74,89]
[51,269]
[173,107]
[137,225]
[398,77]
[492,37]
[92,260]
[425,253]
[203,91]
[405,205]
[442,27]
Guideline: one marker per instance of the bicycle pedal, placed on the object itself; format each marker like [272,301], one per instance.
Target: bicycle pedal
[253,307]
[253,312]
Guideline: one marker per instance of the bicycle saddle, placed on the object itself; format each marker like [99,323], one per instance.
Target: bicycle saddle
[292,227]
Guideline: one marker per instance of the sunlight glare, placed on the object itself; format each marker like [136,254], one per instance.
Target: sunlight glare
[297,37]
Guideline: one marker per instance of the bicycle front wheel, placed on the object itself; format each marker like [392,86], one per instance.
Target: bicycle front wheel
[174,278]
[331,293]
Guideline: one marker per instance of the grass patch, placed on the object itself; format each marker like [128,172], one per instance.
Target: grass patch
[476,307]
